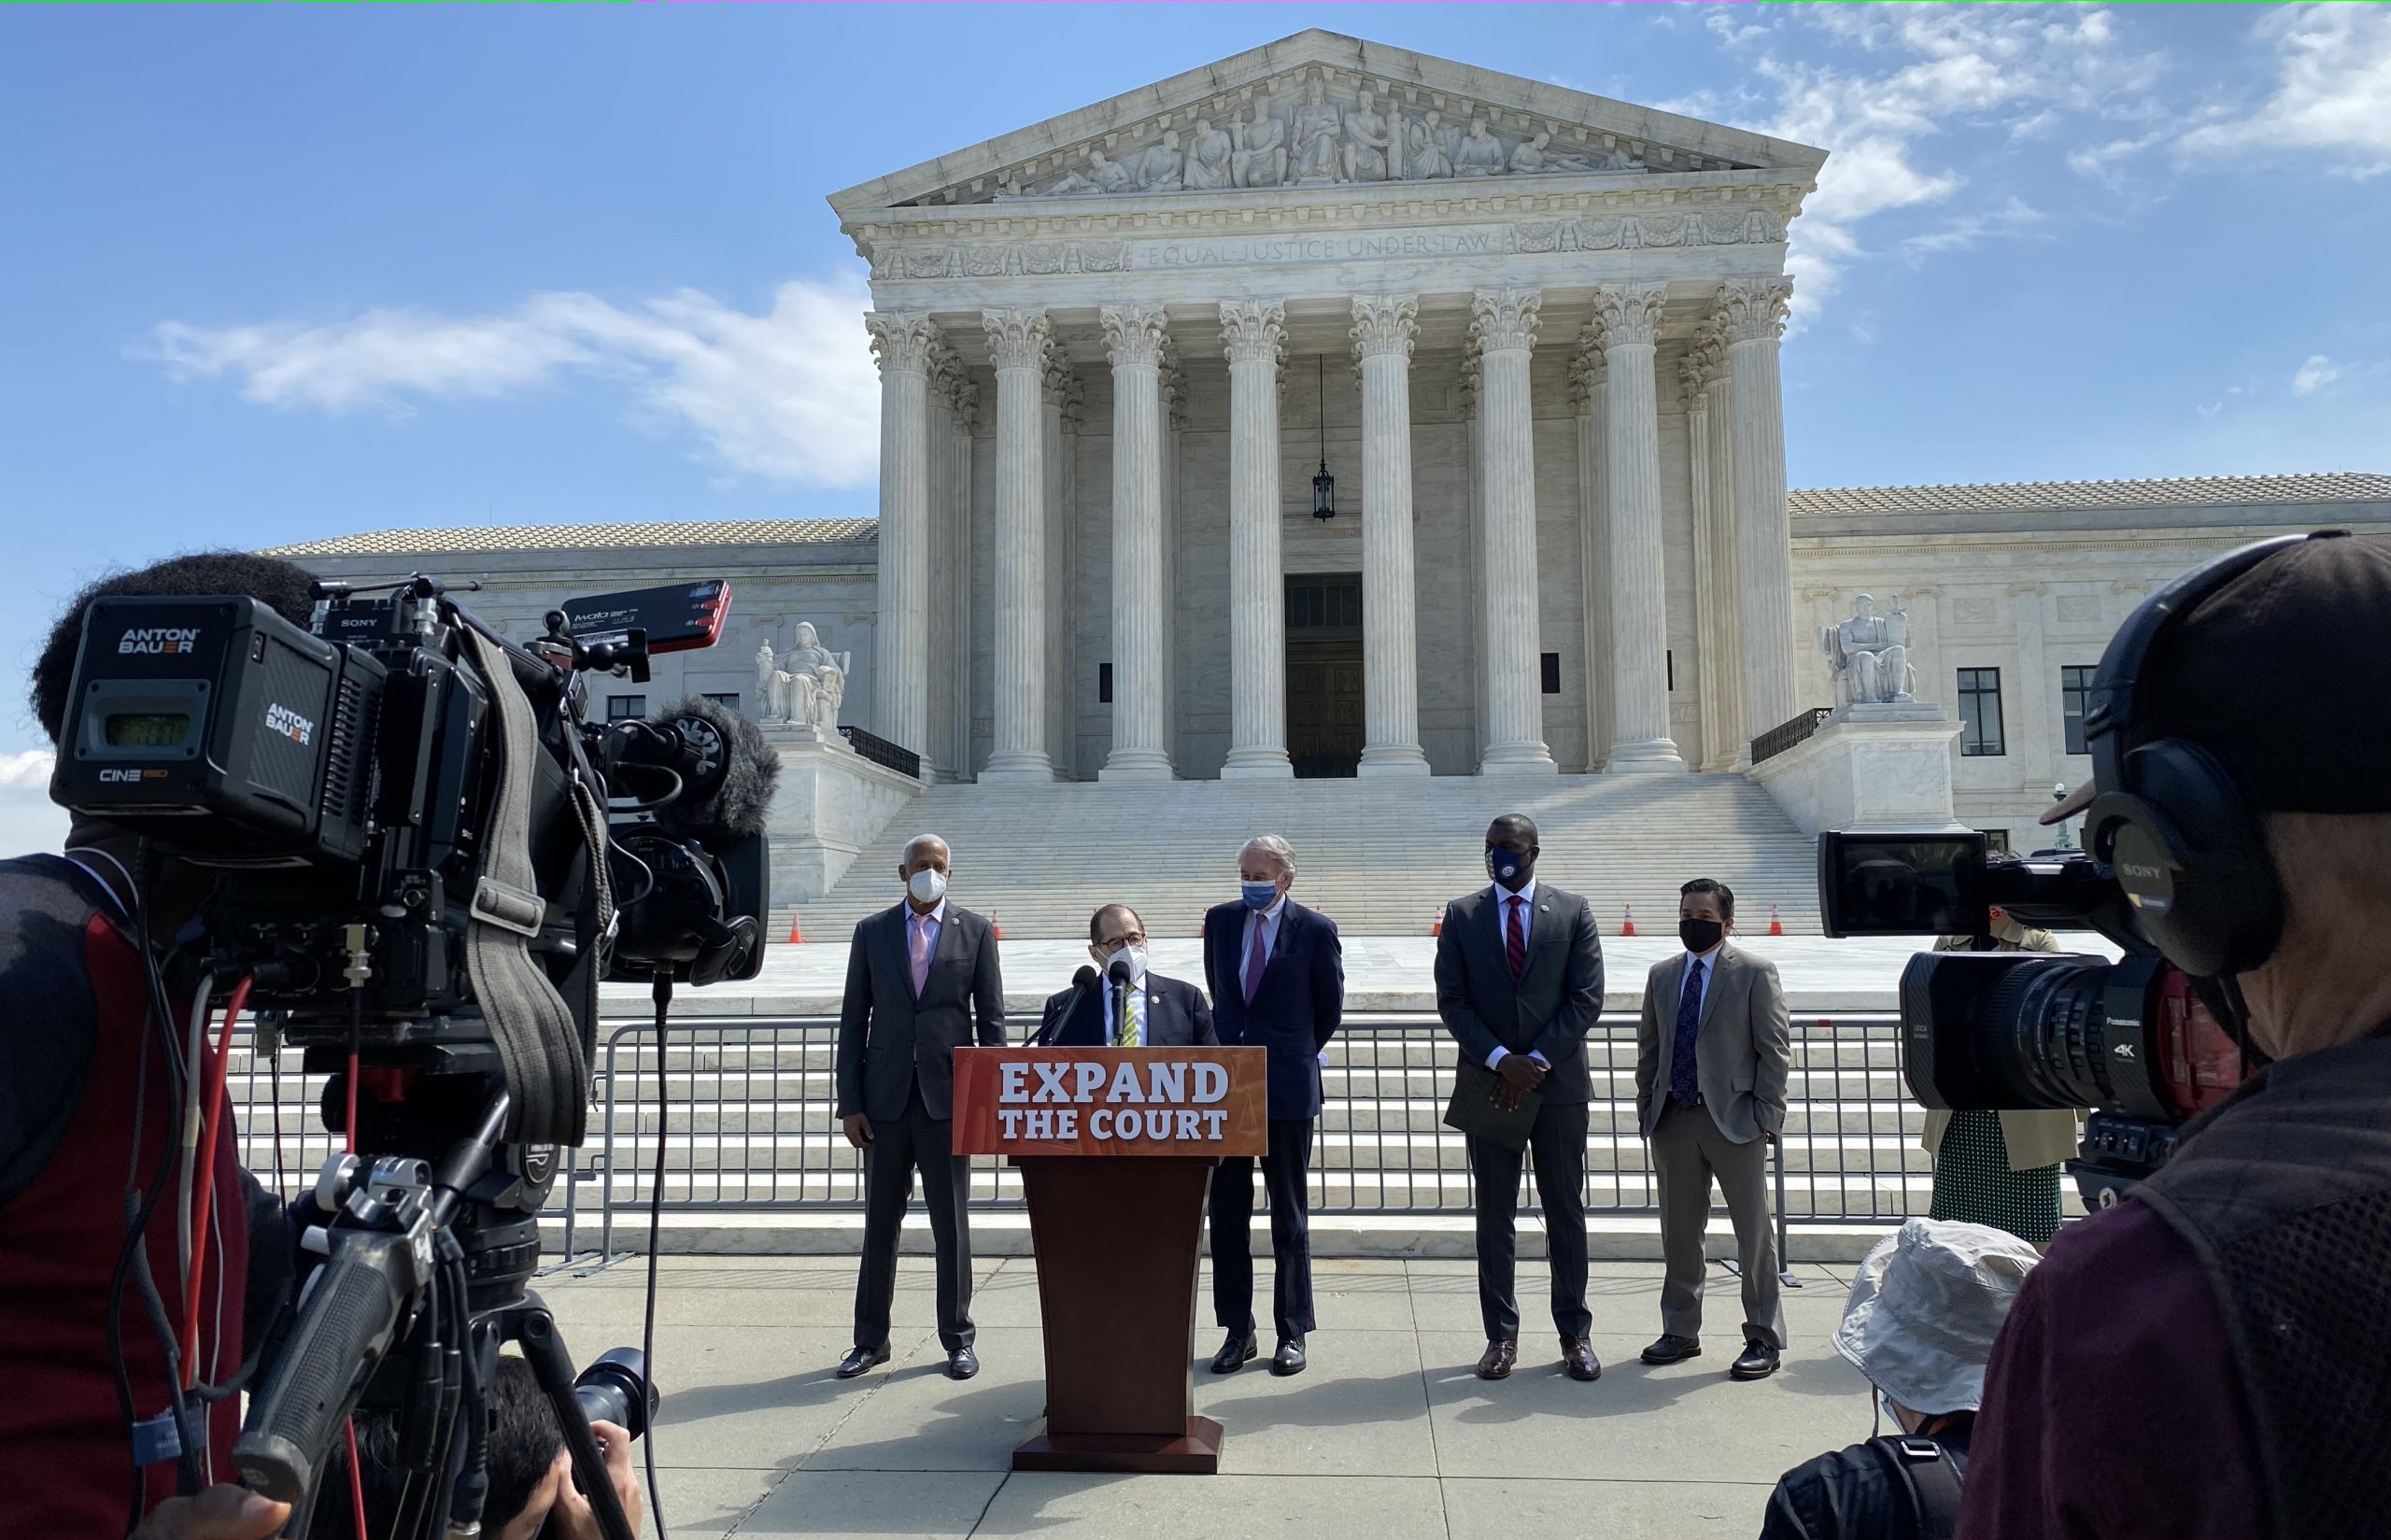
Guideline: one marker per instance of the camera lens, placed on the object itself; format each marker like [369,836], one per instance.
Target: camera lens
[1995,1030]
[2042,1031]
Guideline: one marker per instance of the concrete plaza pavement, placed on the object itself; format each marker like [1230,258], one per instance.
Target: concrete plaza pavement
[1388,1436]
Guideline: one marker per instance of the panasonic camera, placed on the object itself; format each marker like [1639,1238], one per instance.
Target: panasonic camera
[1997,1030]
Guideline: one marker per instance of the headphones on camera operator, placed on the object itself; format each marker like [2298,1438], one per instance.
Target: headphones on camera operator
[2171,820]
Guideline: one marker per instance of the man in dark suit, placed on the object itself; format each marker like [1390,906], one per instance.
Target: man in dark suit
[1130,1006]
[1713,1053]
[921,980]
[1519,985]
[1277,976]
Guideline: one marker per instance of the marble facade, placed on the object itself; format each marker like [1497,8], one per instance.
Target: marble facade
[1457,255]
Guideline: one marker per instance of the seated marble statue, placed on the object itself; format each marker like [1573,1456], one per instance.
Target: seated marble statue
[1480,154]
[1868,655]
[789,682]
[1537,155]
[1260,159]
[1208,158]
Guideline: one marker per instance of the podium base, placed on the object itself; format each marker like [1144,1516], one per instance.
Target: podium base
[1194,1452]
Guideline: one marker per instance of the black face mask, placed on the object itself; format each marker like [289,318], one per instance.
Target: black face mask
[1507,866]
[1700,936]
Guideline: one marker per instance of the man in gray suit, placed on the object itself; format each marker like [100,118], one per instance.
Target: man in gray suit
[921,980]
[1519,984]
[1712,1056]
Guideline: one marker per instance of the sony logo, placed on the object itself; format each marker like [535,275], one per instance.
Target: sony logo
[2140,872]
[289,724]
[158,640]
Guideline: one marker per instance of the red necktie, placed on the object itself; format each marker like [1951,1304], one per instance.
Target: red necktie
[1516,945]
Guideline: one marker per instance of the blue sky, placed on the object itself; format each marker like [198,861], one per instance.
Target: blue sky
[274,273]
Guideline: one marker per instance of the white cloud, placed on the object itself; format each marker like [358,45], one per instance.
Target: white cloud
[2314,375]
[29,820]
[2332,96]
[2104,164]
[2015,219]
[789,394]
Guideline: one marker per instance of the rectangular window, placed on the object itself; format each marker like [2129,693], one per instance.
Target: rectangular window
[723,698]
[1551,674]
[1995,839]
[2074,693]
[620,708]
[1103,683]
[1980,735]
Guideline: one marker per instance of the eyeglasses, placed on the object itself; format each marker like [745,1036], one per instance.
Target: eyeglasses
[1134,938]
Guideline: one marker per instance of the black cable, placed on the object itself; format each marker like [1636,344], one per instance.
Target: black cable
[664,997]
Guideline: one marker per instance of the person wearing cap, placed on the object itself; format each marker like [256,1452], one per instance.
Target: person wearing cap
[1920,1325]
[2000,1169]
[2212,1356]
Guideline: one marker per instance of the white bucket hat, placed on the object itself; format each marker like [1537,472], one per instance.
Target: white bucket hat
[1926,1306]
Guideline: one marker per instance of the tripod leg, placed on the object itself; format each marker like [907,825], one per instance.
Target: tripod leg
[552,1366]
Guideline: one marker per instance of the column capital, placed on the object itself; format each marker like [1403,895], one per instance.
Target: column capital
[1254,330]
[1504,319]
[1630,312]
[1056,375]
[1754,309]
[1016,338]
[1135,335]
[1173,387]
[1587,371]
[1693,382]
[1384,325]
[903,340]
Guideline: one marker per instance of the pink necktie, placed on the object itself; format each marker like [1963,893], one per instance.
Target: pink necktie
[1255,959]
[921,953]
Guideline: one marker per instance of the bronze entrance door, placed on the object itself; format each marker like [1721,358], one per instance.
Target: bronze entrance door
[1325,717]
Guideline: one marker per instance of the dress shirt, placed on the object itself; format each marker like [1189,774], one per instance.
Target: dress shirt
[1527,933]
[934,921]
[1145,1012]
[1709,961]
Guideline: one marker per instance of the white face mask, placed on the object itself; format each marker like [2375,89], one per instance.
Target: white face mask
[927,885]
[1131,957]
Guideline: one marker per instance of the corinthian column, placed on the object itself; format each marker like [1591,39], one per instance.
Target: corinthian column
[1753,311]
[1631,313]
[1017,346]
[1503,324]
[1384,327]
[903,342]
[1253,334]
[1723,633]
[1135,337]
[1589,390]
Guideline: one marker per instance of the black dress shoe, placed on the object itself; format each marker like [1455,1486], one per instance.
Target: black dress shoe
[1496,1362]
[1672,1349]
[1577,1360]
[1242,1349]
[962,1363]
[1758,1362]
[860,1359]
[1289,1360]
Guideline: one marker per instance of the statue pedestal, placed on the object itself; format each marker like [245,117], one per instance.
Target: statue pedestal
[830,803]
[1872,766]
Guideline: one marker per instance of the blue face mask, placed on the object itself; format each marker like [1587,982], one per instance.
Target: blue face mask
[1259,896]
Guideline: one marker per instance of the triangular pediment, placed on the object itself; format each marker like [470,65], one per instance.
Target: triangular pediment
[1321,109]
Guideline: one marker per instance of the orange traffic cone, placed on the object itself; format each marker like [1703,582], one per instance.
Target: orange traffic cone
[796,935]
[1627,926]
[1775,926]
[994,929]
[1437,925]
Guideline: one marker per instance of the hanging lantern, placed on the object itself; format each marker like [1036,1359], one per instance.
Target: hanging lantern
[1323,486]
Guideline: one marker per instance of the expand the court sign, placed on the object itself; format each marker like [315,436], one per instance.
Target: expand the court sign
[1109,1101]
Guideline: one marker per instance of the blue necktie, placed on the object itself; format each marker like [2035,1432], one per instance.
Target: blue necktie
[1685,1080]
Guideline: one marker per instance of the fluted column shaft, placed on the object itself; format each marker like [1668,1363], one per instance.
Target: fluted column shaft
[1726,620]
[1713,673]
[1135,336]
[903,344]
[1017,345]
[1384,328]
[1590,390]
[1060,608]
[1631,313]
[1754,314]
[1504,324]
[1253,335]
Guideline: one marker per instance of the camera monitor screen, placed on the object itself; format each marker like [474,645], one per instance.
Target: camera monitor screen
[1901,885]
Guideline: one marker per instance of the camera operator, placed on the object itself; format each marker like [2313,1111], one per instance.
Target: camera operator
[2211,1357]
[1920,1322]
[91,1061]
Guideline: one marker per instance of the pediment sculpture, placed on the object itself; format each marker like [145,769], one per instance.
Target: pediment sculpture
[804,687]
[1313,141]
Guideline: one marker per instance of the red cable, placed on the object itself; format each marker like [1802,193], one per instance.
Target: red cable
[204,1197]
[356,1479]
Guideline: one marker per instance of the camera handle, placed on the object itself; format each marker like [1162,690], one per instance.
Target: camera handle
[529,1323]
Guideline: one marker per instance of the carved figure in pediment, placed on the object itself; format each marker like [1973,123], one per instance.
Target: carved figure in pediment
[1424,155]
[1479,154]
[1260,159]
[1537,155]
[1318,124]
[1369,141]
[1620,160]
[1159,168]
[1208,154]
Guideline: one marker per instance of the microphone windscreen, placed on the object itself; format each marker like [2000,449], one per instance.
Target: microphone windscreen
[728,796]
[1083,978]
[1118,969]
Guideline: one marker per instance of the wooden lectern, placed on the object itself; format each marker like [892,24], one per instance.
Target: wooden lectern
[1116,1148]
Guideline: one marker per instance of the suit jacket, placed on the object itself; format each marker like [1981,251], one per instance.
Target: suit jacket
[1743,1054]
[1176,1016]
[1298,1007]
[887,1039]
[1552,1006]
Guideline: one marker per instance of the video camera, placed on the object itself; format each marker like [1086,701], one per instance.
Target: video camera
[1994,1030]
[428,861]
